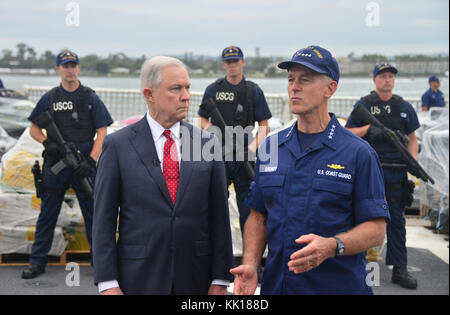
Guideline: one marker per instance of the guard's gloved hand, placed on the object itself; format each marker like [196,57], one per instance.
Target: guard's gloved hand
[86,166]
[374,133]
[51,149]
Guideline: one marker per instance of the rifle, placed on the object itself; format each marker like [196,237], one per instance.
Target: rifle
[413,167]
[72,157]
[214,113]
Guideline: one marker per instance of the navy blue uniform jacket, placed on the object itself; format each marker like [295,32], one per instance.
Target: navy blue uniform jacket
[162,248]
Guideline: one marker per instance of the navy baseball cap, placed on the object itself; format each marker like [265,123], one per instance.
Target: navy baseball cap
[433,78]
[315,58]
[232,52]
[384,66]
[65,57]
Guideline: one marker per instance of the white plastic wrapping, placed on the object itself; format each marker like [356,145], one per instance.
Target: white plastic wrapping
[19,208]
[18,217]
[235,226]
[430,119]
[16,164]
[23,210]
[434,158]
[19,240]
[6,142]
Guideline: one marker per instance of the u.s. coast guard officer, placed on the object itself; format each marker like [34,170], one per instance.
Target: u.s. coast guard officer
[396,114]
[241,103]
[433,97]
[80,116]
[318,195]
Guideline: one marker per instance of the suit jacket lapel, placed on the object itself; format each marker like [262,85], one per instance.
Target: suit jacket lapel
[186,160]
[142,141]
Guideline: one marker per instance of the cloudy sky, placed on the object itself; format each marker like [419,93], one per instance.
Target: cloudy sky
[205,27]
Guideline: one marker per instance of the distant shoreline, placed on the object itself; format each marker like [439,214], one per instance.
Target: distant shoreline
[218,75]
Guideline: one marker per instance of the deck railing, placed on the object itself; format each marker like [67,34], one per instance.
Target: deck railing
[123,103]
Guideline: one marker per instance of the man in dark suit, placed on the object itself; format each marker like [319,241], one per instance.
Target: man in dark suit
[174,231]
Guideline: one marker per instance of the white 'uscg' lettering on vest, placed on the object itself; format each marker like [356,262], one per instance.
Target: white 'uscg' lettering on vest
[225,96]
[60,106]
[375,110]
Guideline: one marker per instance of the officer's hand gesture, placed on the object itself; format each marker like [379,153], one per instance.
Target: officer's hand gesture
[246,280]
[313,254]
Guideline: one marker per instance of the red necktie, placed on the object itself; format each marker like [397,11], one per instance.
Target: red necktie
[171,171]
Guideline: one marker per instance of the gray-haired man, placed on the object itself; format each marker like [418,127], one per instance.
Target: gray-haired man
[174,231]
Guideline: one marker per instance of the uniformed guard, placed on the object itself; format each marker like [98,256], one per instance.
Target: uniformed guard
[433,97]
[241,103]
[80,115]
[398,115]
[318,195]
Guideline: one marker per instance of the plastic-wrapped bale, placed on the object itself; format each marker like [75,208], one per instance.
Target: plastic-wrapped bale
[374,253]
[23,210]
[434,158]
[234,222]
[18,217]
[430,119]
[16,165]
[15,172]
[236,235]
[6,142]
[76,236]
[19,240]
[75,232]
[440,216]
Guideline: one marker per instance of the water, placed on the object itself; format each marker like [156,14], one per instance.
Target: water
[406,87]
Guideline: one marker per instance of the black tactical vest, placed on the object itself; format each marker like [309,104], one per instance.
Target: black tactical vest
[388,113]
[235,103]
[72,115]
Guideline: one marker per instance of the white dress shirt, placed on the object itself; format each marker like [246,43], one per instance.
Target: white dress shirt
[159,139]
